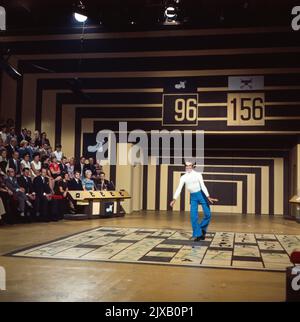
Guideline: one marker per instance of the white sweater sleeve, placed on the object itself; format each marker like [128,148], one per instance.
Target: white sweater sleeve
[179,188]
[202,185]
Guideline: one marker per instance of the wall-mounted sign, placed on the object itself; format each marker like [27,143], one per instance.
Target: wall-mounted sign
[245,83]
[246,109]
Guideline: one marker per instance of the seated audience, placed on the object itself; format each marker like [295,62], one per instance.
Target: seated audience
[80,166]
[14,163]
[24,149]
[43,196]
[3,161]
[3,133]
[104,184]
[36,164]
[61,190]
[71,167]
[23,136]
[19,192]
[25,163]
[36,140]
[63,166]
[58,152]
[29,134]
[54,167]
[12,147]
[87,183]
[26,183]
[89,165]
[6,197]
[32,149]
[44,139]
[43,150]
[11,135]
[75,183]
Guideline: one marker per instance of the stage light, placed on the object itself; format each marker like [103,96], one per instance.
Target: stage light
[9,69]
[79,17]
[171,12]
[80,12]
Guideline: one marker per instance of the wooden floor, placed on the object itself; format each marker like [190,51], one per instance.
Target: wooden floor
[67,280]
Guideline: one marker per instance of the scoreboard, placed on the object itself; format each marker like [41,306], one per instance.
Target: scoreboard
[245,103]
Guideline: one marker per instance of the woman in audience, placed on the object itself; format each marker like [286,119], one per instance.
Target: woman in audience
[23,149]
[71,167]
[36,165]
[25,163]
[87,183]
[61,192]
[44,139]
[54,167]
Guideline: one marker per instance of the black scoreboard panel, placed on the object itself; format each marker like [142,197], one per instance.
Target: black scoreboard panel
[180,109]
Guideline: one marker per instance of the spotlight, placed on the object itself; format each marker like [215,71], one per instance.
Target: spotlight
[80,12]
[8,68]
[171,13]
[79,17]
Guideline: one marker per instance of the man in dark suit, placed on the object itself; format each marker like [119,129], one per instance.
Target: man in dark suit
[104,184]
[14,163]
[63,166]
[24,136]
[75,183]
[11,148]
[25,182]
[19,192]
[43,196]
[80,166]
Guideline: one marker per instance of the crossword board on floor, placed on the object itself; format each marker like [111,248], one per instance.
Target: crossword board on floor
[171,247]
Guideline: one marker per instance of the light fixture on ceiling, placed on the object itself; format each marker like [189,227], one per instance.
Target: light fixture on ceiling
[80,12]
[171,13]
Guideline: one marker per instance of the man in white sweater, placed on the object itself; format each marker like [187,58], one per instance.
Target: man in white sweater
[199,195]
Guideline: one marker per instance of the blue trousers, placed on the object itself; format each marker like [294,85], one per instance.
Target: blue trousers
[196,199]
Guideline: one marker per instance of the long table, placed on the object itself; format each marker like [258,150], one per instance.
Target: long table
[101,204]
